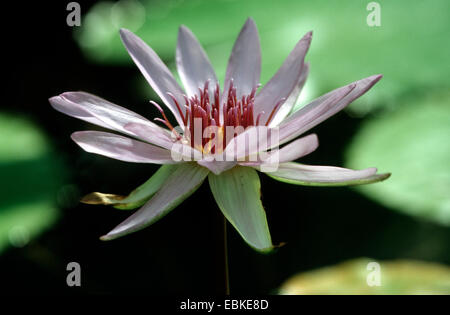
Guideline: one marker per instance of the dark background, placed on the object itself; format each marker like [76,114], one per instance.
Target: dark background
[178,254]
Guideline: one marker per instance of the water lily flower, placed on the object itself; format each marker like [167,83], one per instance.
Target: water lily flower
[234,183]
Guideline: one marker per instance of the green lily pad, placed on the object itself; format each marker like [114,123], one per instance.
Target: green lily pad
[411,142]
[31,175]
[344,47]
[361,276]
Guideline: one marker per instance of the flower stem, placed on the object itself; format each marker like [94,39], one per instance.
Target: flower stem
[225,254]
[222,275]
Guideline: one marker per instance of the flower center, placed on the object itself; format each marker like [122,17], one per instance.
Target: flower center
[203,123]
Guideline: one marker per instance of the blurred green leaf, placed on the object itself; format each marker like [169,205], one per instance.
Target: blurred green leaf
[31,175]
[411,142]
[351,277]
[344,47]
[19,140]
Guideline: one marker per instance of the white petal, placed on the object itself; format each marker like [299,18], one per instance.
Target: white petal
[179,185]
[253,140]
[323,108]
[193,64]
[282,84]
[155,71]
[314,175]
[98,111]
[314,113]
[290,152]
[179,148]
[289,104]
[121,148]
[244,65]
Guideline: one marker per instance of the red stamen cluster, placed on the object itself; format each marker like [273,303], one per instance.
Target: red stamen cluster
[202,108]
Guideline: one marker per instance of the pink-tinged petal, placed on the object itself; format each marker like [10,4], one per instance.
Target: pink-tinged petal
[75,110]
[193,64]
[244,65]
[98,111]
[89,107]
[290,152]
[155,71]
[238,195]
[179,149]
[217,167]
[282,84]
[323,108]
[298,148]
[121,148]
[253,140]
[289,104]
[179,185]
[313,114]
[314,175]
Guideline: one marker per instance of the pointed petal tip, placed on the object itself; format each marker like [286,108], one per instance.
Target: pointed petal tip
[112,235]
[53,97]
[374,78]
[105,238]
[269,250]
[250,20]
[265,251]
[97,198]
[183,28]
[123,31]
[125,34]
[54,100]
[385,176]
[250,23]
[378,77]
[90,199]
[75,136]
